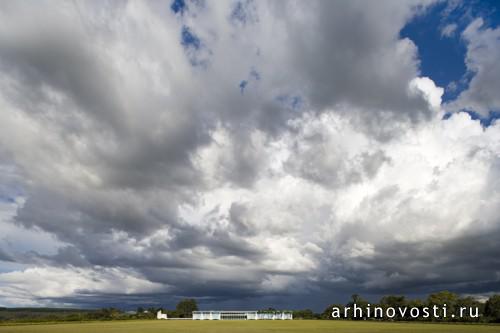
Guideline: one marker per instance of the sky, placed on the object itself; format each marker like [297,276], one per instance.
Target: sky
[248,154]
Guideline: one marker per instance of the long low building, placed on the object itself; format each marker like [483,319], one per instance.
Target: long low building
[242,315]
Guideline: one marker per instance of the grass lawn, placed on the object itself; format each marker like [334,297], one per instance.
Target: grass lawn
[298,326]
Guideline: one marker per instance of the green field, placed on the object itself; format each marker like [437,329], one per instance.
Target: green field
[298,326]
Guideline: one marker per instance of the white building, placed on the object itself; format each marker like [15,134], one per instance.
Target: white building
[242,315]
[160,315]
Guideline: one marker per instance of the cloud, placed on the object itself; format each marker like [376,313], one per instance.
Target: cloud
[44,284]
[449,30]
[360,62]
[5,256]
[483,50]
[139,171]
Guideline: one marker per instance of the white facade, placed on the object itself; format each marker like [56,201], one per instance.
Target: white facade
[160,315]
[275,316]
[241,315]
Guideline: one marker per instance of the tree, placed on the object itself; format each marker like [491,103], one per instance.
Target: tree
[327,314]
[303,314]
[396,302]
[186,307]
[492,308]
[361,304]
[440,299]
[418,304]
[109,313]
[470,312]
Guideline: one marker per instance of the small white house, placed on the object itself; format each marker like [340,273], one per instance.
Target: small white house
[160,315]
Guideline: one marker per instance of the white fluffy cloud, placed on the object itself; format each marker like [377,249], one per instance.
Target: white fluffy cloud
[483,52]
[43,285]
[237,150]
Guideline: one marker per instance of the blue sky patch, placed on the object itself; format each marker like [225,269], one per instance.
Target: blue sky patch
[441,57]
[178,6]
[442,52]
[485,121]
[196,51]
[189,39]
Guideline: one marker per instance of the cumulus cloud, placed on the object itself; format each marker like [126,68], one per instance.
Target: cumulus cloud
[142,168]
[483,50]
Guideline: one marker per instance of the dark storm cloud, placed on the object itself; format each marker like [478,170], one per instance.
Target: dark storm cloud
[67,211]
[462,264]
[351,63]
[45,52]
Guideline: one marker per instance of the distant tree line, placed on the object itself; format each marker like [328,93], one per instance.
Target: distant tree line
[55,315]
[487,312]
[183,309]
